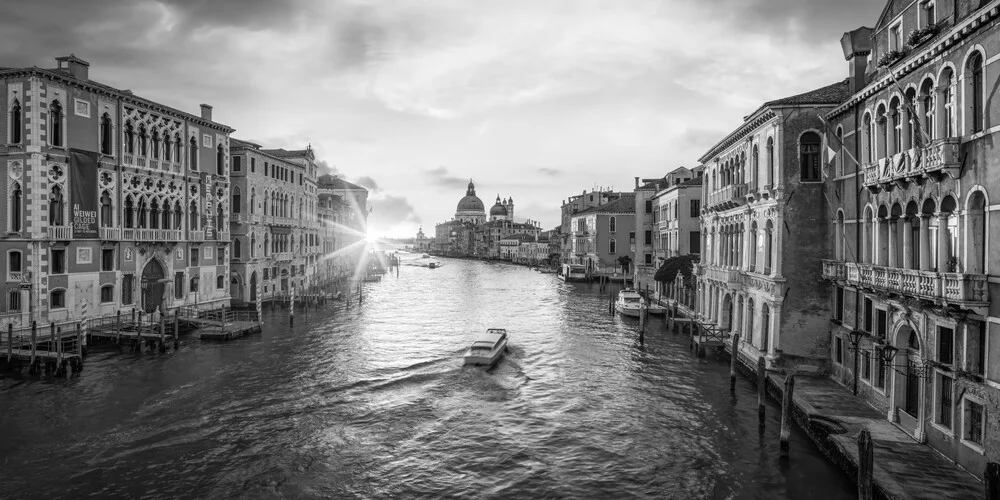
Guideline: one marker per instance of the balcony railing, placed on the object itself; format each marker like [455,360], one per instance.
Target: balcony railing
[222,236]
[142,234]
[237,218]
[15,277]
[834,270]
[196,235]
[967,289]
[111,233]
[727,197]
[128,159]
[59,232]
[729,277]
[283,256]
[941,155]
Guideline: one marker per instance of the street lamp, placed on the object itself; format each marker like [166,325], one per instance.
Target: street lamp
[854,337]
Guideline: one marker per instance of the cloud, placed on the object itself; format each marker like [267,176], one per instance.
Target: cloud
[392,214]
[441,177]
[367,183]
[551,172]
[325,168]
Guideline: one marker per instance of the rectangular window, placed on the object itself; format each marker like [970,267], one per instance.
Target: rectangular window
[868,316]
[975,347]
[838,350]
[974,418]
[107,259]
[220,255]
[267,273]
[649,206]
[648,237]
[896,37]
[57,299]
[866,365]
[880,369]
[944,400]
[179,285]
[649,258]
[14,301]
[694,242]
[838,308]
[946,345]
[194,257]
[253,165]
[882,323]
[695,208]
[631,238]
[128,284]
[58,263]
[14,262]
[107,294]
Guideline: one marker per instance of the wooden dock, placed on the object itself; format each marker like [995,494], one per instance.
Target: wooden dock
[222,323]
[57,349]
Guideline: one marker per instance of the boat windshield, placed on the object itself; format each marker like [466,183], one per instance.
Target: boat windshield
[631,299]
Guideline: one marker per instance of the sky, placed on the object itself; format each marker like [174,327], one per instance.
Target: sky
[536,100]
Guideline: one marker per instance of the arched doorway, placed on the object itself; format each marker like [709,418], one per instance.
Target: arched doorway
[253,287]
[726,319]
[907,382]
[152,286]
[235,288]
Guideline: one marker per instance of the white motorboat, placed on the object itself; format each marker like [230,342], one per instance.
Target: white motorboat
[629,303]
[487,348]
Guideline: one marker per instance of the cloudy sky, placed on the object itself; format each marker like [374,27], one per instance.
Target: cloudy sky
[534,99]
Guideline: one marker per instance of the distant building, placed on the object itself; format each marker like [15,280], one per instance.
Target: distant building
[422,243]
[603,234]
[573,205]
[472,234]
[648,222]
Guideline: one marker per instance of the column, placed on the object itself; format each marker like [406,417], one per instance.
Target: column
[905,133]
[925,243]
[942,243]
[892,243]
[907,242]
[748,248]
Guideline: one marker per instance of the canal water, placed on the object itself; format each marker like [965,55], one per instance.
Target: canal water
[372,401]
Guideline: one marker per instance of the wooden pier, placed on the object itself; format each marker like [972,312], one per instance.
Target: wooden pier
[57,349]
[222,323]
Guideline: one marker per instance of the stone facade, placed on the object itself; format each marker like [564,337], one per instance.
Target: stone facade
[912,272]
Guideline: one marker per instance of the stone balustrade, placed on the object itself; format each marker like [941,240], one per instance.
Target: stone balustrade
[941,155]
[969,289]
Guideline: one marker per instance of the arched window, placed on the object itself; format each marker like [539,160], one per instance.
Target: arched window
[143,141]
[253,200]
[129,138]
[57,206]
[178,215]
[765,326]
[154,215]
[193,224]
[129,212]
[908,140]
[166,147]
[142,214]
[219,217]
[947,103]
[768,247]
[193,151]
[612,224]
[165,215]
[977,99]
[177,148]
[750,326]
[55,124]
[927,107]
[809,167]
[15,122]
[881,134]
[897,128]
[755,168]
[16,199]
[106,210]
[156,144]
[866,142]
[236,200]
[237,248]
[106,147]
[755,246]
[220,160]
[220,282]
[253,245]
[840,146]
[267,248]
[770,162]
[265,202]
[612,246]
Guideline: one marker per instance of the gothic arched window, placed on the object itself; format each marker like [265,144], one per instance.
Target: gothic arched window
[55,124]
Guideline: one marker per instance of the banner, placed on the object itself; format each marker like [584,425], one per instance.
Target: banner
[83,193]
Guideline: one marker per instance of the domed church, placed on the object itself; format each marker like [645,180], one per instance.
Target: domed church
[471,208]
[502,210]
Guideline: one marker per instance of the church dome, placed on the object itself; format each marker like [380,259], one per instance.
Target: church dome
[498,210]
[471,204]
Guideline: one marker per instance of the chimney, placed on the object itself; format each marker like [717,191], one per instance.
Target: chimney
[637,183]
[76,67]
[857,45]
[206,112]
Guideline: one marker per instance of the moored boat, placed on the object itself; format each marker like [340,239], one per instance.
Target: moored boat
[487,348]
[574,272]
[629,303]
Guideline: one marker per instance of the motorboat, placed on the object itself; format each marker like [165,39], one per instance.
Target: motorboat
[432,265]
[487,348]
[574,272]
[629,303]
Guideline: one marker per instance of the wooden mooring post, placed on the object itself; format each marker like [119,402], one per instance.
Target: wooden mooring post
[177,317]
[866,462]
[786,415]
[79,341]
[991,481]
[163,335]
[761,391]
[34,344]
[10,342]
[732,361]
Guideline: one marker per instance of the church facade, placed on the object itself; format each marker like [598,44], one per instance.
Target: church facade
[471,233]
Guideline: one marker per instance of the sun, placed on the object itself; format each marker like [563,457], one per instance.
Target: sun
[371,238]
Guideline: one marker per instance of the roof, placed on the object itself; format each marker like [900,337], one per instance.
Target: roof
[623,205]
[284,153]
[237,143]
[334,182]
[696,181]
[830,95]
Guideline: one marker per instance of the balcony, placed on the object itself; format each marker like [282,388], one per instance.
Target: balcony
[834,270]
[196,235]
[940,157]
[154,163]
[111,233]
[144,234]
[727,197]
[237,218]
[956,288]
[730,278]
[15,277]
[283,256]
[223,236]
[59,232]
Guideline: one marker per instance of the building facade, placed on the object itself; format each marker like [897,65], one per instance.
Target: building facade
[914,327]
[275,237]
[343,228]
[603,234]
[573,205]
[760,241]
[114,202]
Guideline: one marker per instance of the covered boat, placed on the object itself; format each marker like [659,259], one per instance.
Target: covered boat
[629,303]
[487,348]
